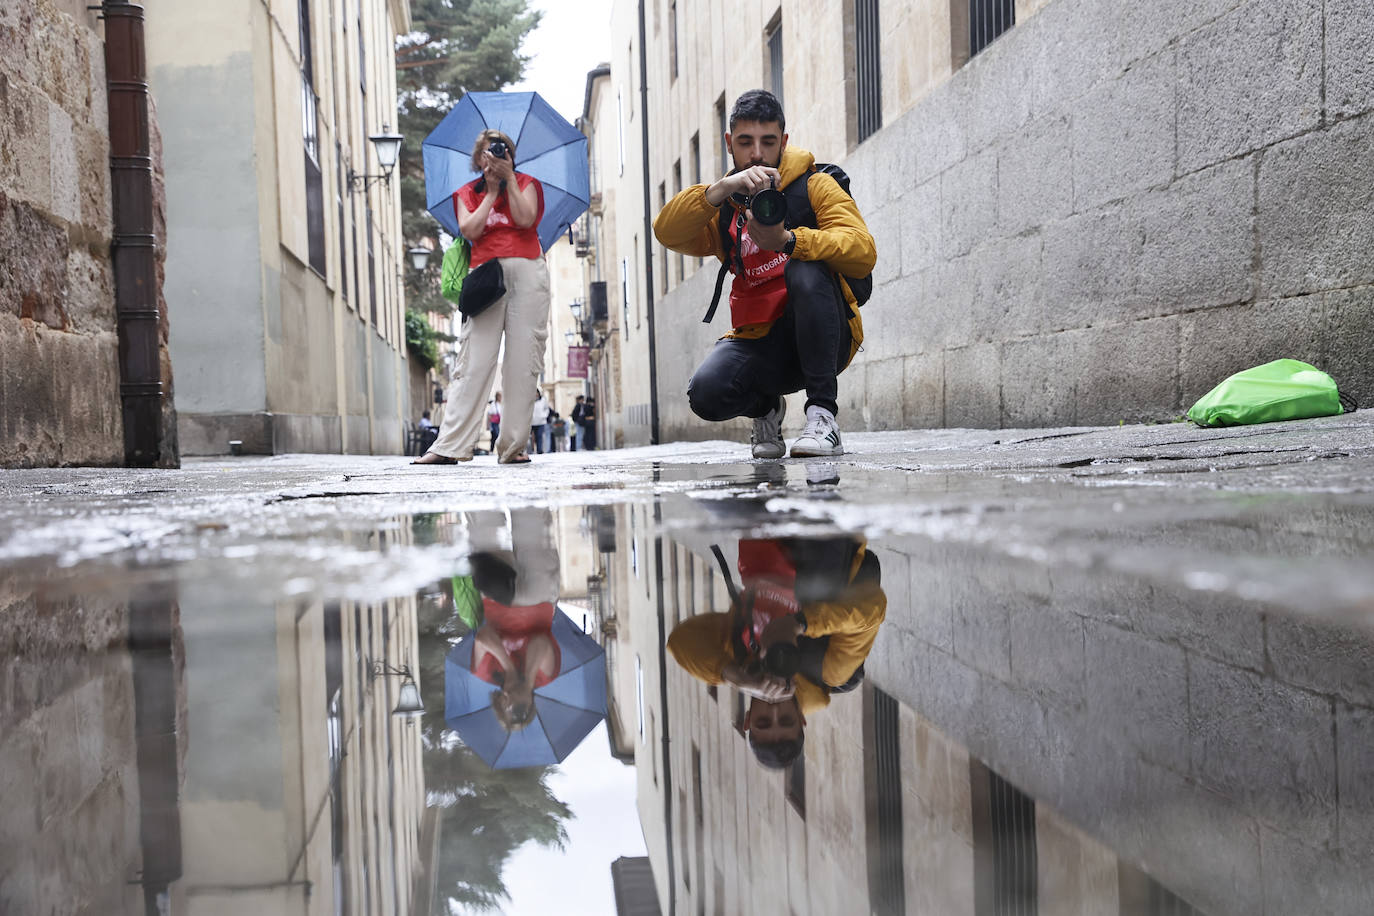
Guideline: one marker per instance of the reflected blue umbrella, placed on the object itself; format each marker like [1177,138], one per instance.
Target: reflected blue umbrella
[565,710]
[546,147]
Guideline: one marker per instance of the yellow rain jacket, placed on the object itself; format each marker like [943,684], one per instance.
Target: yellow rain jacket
[689,224]
[701,644]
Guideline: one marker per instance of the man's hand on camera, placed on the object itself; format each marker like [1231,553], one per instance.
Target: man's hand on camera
[769,238]
[745,182]
[761,686]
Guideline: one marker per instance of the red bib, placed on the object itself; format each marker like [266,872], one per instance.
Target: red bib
[759,294]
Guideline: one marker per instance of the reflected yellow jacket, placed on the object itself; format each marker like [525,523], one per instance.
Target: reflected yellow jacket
[689,224]
[701,644]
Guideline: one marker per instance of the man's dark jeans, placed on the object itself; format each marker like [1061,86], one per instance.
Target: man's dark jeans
[805,348]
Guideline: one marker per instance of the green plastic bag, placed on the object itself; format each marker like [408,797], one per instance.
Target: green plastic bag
[468,601]
[454,269]
[1285,389]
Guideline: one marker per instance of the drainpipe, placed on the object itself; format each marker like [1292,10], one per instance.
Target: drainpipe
[648,230]
[135,267]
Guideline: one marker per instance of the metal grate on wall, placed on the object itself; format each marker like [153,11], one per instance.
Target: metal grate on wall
[868,68]
[986,20]
[883,777]
[1005,855]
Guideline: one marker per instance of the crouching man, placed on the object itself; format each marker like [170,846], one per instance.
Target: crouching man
[794,320]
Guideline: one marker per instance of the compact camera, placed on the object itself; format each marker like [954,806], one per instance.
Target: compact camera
[768,205]
[498,149]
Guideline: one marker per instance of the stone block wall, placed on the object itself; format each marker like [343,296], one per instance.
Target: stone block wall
[1219,744]
[1113,208]
[69,828]
[1101,216]
[59,375]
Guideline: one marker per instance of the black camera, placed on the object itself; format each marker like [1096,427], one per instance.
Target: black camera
[783,660]
[498,149]
[768,205]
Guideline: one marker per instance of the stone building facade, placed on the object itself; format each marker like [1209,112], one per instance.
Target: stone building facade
[1148,744]
[59,366]
[1092,215]
[283,273]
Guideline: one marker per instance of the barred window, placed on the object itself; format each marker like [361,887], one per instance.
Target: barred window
[868,68]
[986,20]
[773,42]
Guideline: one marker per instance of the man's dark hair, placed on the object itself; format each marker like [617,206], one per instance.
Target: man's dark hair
[757,105]
[777,755]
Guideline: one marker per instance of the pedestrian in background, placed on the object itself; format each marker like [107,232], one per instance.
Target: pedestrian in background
[499,214]
[575,434]
[494,418]
[589,424]
[539,424]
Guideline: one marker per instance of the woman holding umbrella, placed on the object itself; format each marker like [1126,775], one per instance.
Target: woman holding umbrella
[499,213]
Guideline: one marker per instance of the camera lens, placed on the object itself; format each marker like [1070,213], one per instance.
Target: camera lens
[783,660]
[769,206]
[497,149]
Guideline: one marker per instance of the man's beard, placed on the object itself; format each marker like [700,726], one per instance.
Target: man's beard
[741,166]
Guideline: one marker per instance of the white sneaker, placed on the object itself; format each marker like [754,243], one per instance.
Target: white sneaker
[766,439]
[821,438]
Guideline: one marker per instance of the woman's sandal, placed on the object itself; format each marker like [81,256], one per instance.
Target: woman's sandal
[521,458]
[436,458]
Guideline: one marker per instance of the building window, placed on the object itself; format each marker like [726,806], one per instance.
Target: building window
[1004,848]
[868,68]
[620,126]
[362,52]
[625,321]
[883,791]
[696,158]
[663,252]
[339,199]
[723,122]
[677,189]
[310,132]
[794,785]
[772,41]
[986,20]
[371,269]
[639,696]
[672,39]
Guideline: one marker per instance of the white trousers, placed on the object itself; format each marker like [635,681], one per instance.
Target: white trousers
[522,316]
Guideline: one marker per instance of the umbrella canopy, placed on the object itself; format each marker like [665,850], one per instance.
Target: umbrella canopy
[566,709]
[546,147]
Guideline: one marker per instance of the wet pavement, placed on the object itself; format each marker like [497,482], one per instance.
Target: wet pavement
[1121,670]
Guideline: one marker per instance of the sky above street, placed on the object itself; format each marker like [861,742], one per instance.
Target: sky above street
[572,38]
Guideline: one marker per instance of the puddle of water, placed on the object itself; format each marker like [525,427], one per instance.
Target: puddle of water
[720,693]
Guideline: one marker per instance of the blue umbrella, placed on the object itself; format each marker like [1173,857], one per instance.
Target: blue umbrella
[566,709]
[546,147]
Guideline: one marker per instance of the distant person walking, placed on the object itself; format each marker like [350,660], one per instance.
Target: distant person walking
[539,424]
[575,434]
[494,418]
[588,424]
[499,214]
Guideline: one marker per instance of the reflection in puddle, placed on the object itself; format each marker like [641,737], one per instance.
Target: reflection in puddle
[797,720]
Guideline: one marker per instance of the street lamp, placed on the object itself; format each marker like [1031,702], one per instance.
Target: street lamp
[408,702]
[571,337]
[388,147]
[419,258]
[577,311]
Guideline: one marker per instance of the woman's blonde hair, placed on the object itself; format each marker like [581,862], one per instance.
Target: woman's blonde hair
[479,147]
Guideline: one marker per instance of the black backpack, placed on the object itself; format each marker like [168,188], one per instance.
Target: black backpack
[799,213]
